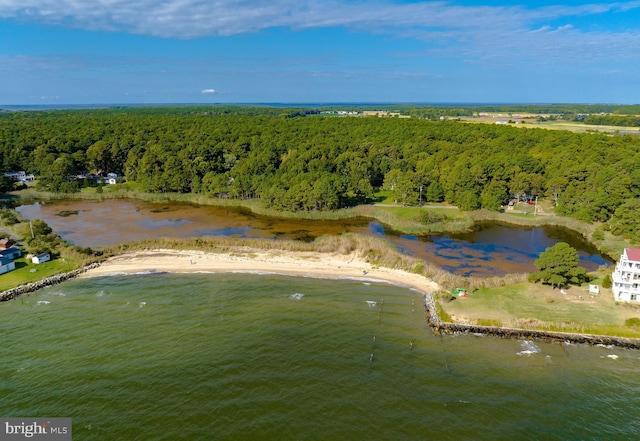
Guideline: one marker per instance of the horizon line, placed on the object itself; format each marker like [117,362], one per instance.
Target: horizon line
[308,104]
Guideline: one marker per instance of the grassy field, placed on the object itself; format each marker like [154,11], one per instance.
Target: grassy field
[535,306]
[27,272]
[572,126]
[579,127]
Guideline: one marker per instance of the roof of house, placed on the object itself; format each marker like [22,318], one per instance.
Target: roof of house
[633,254]
[41,255]
[9,251]
[5,261]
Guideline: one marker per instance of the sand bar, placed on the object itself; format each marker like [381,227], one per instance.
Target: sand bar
[305,264]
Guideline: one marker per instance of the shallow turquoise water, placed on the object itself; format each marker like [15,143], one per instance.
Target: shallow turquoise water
[238,356]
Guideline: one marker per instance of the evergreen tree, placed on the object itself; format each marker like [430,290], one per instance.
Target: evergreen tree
[558,266]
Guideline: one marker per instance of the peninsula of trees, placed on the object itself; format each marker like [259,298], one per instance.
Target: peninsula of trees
[293,159]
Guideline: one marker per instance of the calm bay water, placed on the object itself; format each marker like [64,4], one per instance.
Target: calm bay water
[491,250]
[245,356]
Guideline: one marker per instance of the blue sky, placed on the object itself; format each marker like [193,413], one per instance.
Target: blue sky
[294,51]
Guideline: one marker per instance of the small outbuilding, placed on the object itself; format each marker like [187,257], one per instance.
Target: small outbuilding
[41,258]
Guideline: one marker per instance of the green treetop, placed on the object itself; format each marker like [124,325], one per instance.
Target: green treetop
[558,266]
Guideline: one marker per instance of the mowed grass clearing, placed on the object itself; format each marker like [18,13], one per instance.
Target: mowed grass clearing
[535,306]
[23,273]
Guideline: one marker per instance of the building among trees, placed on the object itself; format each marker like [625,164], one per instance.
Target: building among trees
[626,276]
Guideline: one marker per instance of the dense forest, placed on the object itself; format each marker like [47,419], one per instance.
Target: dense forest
[295,159]
[612,120]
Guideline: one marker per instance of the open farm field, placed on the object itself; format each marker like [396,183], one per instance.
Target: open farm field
[530,121]
[579,127]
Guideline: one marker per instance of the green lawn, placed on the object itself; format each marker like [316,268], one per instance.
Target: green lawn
[538,306]
[24,272]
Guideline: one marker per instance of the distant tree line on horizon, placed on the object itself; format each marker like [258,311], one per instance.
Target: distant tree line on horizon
[292,159]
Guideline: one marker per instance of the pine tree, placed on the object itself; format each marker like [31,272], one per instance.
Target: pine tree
[558,266]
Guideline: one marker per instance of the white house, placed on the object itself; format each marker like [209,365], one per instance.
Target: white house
[626,276]
[6,265]
[41,258]
[20,176]
[112,178]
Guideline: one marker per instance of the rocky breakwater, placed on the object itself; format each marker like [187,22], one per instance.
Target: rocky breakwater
[431,312]
[529,334]
[53,280]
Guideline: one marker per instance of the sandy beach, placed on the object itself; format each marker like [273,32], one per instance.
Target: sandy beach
[305,264]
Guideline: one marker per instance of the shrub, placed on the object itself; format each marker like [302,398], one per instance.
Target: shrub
[606,281]
[86,250]
[598,234]
[9,217]
[633,322]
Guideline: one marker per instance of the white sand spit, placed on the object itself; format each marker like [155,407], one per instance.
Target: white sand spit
[310,264]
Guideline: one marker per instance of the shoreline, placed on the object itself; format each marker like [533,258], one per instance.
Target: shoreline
[327,266]
[248,260]
[306,264]
[27,288]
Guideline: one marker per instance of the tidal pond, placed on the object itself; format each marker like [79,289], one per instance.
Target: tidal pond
[490,250]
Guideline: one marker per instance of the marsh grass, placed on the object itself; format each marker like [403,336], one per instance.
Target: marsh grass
[402,219]
[409,220]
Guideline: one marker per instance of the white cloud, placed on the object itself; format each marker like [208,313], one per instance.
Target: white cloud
[208,91]
[473,33]
[200,18]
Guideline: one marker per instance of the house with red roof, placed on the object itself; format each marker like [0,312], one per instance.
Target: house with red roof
[626,276]
[5,243]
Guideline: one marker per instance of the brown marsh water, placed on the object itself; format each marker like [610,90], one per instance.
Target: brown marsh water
[492,249]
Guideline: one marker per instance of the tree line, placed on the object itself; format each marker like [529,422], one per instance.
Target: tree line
[292,159]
